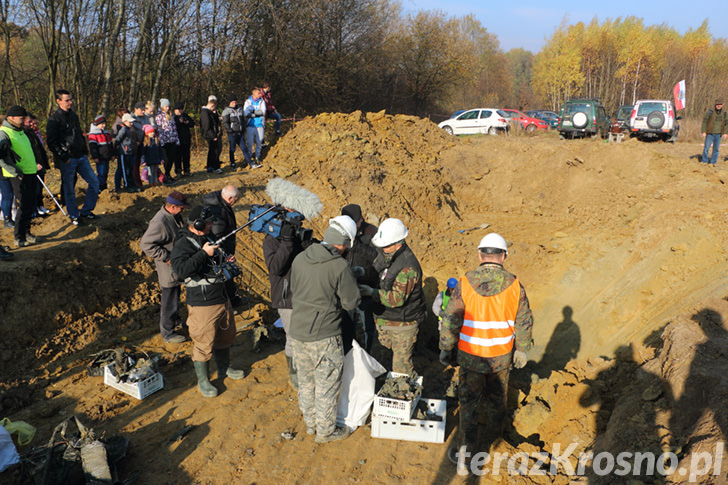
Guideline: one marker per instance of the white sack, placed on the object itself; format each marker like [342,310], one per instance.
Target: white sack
[357,387]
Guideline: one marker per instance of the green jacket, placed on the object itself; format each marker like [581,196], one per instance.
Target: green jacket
[715,122]
[16,152]
[488,279]
[323,287]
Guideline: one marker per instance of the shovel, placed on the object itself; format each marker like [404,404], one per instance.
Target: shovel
[482,226]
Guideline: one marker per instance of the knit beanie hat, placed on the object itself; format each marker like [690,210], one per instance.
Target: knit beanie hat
[334,236]
[99,119]
[164,102]
[16,111]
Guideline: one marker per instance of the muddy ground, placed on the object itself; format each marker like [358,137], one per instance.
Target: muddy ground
[621,248]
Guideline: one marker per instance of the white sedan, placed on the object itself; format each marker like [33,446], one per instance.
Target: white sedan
[481,120]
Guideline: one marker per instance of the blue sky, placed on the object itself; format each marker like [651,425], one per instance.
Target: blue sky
[528,23]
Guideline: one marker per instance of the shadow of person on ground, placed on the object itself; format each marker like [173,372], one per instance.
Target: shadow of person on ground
[563,345]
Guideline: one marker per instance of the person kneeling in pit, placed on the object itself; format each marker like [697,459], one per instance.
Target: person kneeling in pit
[210,315]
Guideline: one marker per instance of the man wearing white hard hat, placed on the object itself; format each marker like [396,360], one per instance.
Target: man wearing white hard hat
[489,318]
[399,303]
[323,287]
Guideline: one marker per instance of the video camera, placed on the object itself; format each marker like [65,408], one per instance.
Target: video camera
[271,220]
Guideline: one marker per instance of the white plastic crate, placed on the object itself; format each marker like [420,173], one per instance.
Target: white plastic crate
[395,408]
[413,429]
[140,389]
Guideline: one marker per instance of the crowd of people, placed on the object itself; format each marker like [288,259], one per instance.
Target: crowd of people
[317,287]
[148,146]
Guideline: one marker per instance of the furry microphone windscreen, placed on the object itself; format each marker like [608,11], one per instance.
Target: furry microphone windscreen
[290,195]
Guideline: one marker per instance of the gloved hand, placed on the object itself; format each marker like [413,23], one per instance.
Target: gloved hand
[287,232]
[366,290]
[519,359]
[445,357]
[358,271]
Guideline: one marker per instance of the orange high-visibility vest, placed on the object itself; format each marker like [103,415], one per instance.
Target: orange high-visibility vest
[489,321]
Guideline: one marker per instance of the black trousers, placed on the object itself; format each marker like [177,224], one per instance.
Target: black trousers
[185,146]
[172,156]
[169,316]
[214,147]
[25,198]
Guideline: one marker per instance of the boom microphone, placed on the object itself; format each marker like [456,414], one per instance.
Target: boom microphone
[289,195]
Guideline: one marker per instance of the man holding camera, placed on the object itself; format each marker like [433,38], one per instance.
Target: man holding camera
[210,318]
[66,142]
[279,253]
[221,202]
[157,243]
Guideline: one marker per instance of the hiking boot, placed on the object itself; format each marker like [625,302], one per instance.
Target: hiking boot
[255,165]
[9,223]
[203,382]
[43,211]
[175,338]
[217,170]
[222,358]
[75,221]
[336,435]
[21,244]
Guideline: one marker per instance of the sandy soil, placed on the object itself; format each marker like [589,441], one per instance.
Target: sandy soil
[621,247]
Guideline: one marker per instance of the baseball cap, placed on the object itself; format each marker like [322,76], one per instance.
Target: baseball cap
[127,118]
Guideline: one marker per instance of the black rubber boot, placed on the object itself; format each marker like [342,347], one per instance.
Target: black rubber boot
[222,357]
[292,372]
[203,382]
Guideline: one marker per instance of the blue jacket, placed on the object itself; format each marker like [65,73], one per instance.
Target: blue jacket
[254,112]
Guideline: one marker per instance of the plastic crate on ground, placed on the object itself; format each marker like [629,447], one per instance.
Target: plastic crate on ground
[413,429]
[395,408]
[140,389]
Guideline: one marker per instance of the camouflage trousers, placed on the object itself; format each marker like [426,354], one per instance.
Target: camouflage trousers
[474,386]
[319,365]
[401,341]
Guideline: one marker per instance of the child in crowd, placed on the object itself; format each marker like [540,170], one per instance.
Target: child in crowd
[127,141]
[152,154]
[100,144]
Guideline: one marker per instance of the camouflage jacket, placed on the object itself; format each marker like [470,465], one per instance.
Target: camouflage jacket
[399,301]
[487,280]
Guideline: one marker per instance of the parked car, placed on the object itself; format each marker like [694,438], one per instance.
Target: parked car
[620,121]
[654,118]
[583,117]
[480,120]
[526,122]
[551,118]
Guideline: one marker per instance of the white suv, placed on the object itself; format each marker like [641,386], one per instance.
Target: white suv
[654,118]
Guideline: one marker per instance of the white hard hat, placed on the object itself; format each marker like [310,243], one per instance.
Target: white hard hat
[493,241]
[390,231]
[346,226]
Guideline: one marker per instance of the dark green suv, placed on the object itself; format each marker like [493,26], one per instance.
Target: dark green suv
[583,117]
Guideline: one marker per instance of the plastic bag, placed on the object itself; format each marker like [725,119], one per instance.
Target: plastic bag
[25,431]
[8,453]
[144,173]
[357,387]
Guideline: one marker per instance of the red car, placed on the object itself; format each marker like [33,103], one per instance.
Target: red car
[527,123]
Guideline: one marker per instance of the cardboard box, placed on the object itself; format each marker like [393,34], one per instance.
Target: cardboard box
[140,389]
[413,429]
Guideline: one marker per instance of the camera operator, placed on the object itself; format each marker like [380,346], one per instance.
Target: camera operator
[210,318]
[221,203]
[279,254]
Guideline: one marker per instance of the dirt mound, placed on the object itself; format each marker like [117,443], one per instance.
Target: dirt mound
[611,241]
